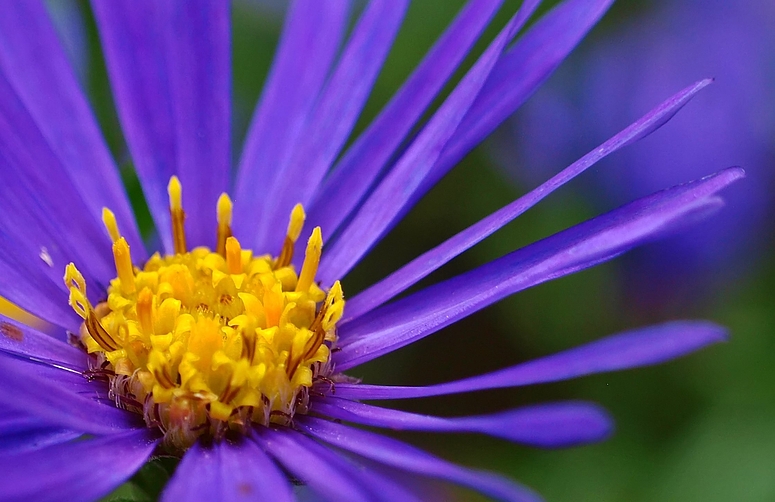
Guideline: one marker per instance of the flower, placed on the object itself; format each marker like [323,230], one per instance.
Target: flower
[608,82]
[235,360]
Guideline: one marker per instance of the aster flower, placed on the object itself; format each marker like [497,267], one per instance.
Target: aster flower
[228,347]
[605,83]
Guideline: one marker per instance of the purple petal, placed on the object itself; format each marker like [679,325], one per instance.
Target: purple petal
[403,456]
[365,159]
[28,343]
[545,425]
[170,70]
[334,116]
[35,64]
[519,73]
[311,37]
[385,203]
[416,316]
[305,459]
[435,258]
[61,398]
[79,470]
[227,471]
[631,349]
[20,432]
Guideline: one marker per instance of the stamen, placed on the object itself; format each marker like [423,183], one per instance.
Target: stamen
[175,191]
[109,220]
[145,311]
[126,274]
[311,260]
[233,256]
[294,230]
[224,223]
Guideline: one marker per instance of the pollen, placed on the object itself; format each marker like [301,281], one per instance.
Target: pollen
[204,342]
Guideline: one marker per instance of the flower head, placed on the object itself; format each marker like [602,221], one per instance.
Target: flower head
[232,346]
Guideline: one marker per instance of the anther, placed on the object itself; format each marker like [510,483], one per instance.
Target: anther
[292,235]
[109,220]
[224,223]
[311,261]
[126,274]
[233,256]
[175,191]
[145,311]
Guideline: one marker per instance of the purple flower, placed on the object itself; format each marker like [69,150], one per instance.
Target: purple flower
[622,73]
[235,360]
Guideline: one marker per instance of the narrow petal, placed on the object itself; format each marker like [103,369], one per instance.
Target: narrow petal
[28,343]
[79,470]
[32,59]
[170,71]
[227,471]
[311,37]
[582,246]
[384,204]
[61,398]
[422,266]
[519,73]
[364,160]
[20,432]
[631,349]
[302,458]
[403,456]
[334,116]
[551,425]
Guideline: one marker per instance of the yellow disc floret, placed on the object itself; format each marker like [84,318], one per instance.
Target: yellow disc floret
[201,342]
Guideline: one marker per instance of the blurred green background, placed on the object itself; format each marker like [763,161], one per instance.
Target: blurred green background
[701,428]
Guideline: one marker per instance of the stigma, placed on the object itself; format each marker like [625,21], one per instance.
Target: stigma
[203,342]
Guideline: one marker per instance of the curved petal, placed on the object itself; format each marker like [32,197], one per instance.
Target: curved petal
[631,349]
[422,266]
[34,62]
[228,471]
[302,457]
[170,69]
[362,163]
[403,456]
[383,205]
[550,425]
[311,36]
[79,470]
[334,115]
[26,342]
[61,398]
[20,432]
[416,316]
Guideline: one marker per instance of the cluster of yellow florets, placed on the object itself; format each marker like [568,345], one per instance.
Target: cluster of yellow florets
[202,341]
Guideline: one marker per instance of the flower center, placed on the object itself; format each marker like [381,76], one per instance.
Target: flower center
[201,342]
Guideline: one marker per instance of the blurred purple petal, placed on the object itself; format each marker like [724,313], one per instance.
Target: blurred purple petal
[582,246]
[545,425]
[334,116]
[310,462]
[310,39]
[79,470]
[33,61]
[435,258]
[26,342]
[631,349]
[361,164]
[384,203]
[227,471]
[403,456]
[170,69]
[20,432]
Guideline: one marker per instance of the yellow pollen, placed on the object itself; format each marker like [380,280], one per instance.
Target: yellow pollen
[224,223]
[292,235]
[175,191]
[202,342]
[109,220]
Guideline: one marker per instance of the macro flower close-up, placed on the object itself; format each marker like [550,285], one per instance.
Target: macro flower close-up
[228,338]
